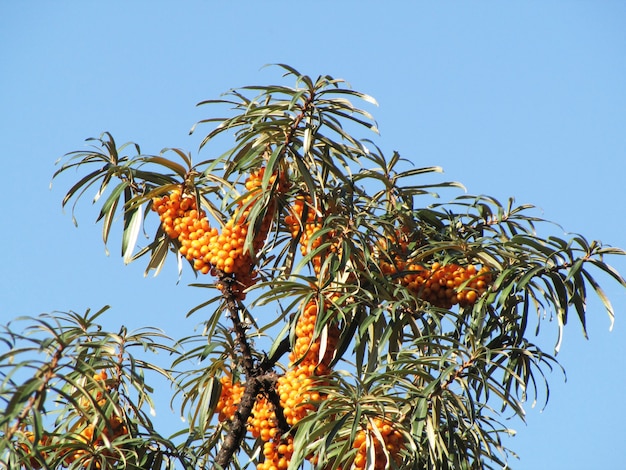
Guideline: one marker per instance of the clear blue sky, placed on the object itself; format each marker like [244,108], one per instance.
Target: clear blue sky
[523,99]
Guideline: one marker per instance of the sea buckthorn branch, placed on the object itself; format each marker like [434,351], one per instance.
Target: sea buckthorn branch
[47,373]
[269,382]
[304,109]
[248,407]
[282,401]
[260,381]
[454,376]
[237,428]
[241,338]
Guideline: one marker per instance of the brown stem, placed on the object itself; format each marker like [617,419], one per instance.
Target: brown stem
[443,386]
[269,384]
[48,373]
[241,337]
[296,123]
[237,429]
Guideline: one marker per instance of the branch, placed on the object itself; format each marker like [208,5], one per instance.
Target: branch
[260,377]
[269,385]
[237,430]
[241,339]
[47,375]
[453,377]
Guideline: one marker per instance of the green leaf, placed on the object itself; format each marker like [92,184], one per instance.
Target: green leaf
[603,297]
[175,167]
[132,227]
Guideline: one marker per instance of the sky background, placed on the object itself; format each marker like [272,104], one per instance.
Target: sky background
[521,99]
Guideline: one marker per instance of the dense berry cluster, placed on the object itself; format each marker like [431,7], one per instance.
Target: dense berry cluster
[442,286]
[277,454]
[230,397]
[392,443]
[181,220]
[308,363]
[211,251]
[262,422]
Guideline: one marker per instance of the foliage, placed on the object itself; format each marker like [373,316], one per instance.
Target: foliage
[403,332]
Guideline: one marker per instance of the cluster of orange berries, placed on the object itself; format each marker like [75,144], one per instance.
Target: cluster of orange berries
[308,364]
[208,249]
[230,397]
[88,436]
[43,442]
[442,285]
[262,420]
[307,351]
[277,454]
[448,285]
[262,424]
[296,391]
[392,442]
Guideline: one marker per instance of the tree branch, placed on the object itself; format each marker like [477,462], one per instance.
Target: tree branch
[237,430]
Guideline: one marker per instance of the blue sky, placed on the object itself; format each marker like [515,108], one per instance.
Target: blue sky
[522,99]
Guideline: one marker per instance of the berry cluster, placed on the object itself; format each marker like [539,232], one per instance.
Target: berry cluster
[448,285]
[262,422]
[90,437]
[277,454]
[296,388]
[230,397]
[296,391]
[181,220]
[442,286]
[221,254]
[445,286]
[391,440]
[308,364]
[29,436]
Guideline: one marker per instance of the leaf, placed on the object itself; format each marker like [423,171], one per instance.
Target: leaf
[21,396]
[132,227]
[175,167]
[158,256]
[600,293]
[108,222]
[362,96]
[89,178]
